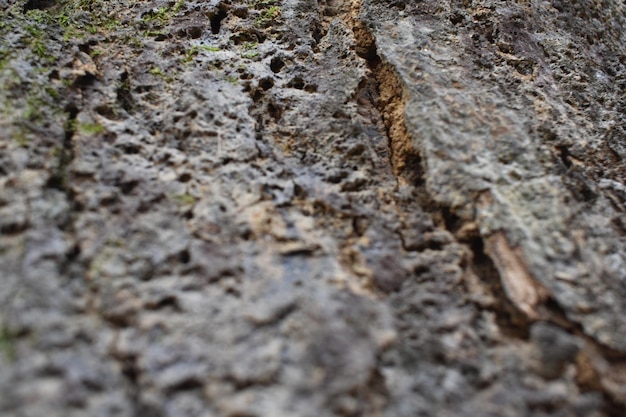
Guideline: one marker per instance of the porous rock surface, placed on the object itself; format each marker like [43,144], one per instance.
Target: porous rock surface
[338,208]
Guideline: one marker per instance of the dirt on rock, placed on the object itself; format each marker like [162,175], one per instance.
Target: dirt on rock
[266,208]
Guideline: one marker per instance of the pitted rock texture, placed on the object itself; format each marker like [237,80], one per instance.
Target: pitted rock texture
[298,208]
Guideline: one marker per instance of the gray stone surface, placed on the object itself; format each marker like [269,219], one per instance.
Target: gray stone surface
[501,127]
[296,208]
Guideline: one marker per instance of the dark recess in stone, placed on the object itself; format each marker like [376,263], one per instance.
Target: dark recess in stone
[564,156]
[297,83]
[184,256]
[124,95]
[216,20]
[276,65]
[266,83]
[59,179]
[38,4]
[511,322]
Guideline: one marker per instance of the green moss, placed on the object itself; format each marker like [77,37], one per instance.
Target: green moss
[132,41]
[56,152]
[267,16]
[21,137]
[39,16]
[52,92]
[262,4]
[34,31]
[64,19]
[40,49]
[5,58]
[116,242]
[154,33]
[162,16]
[183,199]
[179,4]
[90,128]
[111,24]
[250,52]
[79,18]
[34,105]
[196,49]
[7,343]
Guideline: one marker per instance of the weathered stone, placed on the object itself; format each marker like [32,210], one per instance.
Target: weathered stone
[296,208]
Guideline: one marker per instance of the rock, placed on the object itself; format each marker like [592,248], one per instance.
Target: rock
[366,208]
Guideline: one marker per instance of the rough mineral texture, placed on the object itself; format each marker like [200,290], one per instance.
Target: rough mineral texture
[266,208]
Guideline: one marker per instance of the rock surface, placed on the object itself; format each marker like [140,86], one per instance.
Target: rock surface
[338,208]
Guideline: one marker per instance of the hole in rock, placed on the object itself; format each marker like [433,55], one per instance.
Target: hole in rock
[274,111]
[564,156]
[127,187]
[184,256]
[297,83]
[194,32]
[123,93]
[266,83]
[38,4]
[276,64]
[216,20]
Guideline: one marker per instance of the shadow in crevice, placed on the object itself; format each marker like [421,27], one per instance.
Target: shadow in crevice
[38,5]
[216,20]
[510,320]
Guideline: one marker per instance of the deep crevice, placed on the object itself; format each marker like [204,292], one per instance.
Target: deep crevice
[38,4]
[124,94]
[216,20]
[70,267]
[66,154]
[510,320]
[405,160]
[277,64]
[131,373]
